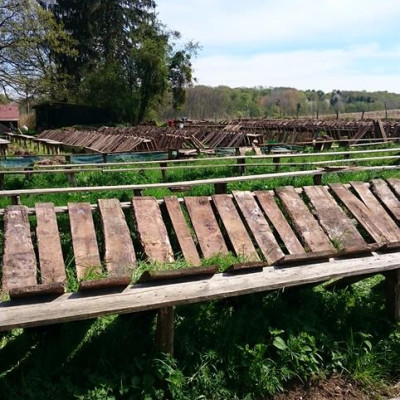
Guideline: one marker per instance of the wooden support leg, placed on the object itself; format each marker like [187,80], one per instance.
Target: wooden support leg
[393,294]
[165,330]
[15,200]
[71,177]
[163,165]
[241,169]
[137,192]
[276,161]
[2,181]
[317,179]
[220,188]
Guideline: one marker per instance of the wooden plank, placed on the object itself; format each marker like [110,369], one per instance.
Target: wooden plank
[151,229]
[119,254]
[182,231]
[360,212]
[52,268]
[206,226]
[237,233]
[303,221]
[178,274]
[19,261]
[73,306]
[395,184]
[387,226]
[387,197]
[274,214]
[334,221]
[84,242]
[259,226]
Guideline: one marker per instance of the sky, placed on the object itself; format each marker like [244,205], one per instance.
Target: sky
[304,44]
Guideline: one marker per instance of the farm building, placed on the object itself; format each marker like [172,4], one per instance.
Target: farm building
[9,115]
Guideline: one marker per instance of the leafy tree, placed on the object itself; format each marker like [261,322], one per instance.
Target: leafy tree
[29,39]
[336,102]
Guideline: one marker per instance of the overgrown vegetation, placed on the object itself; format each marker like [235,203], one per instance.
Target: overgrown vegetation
[248,347]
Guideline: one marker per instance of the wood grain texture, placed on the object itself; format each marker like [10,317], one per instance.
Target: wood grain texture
[395,184]
[84,242]
[259,226]
[387,226]
[235,229]
[274,214]
[119,254]
[151,229]
[382,190]
[206,226]
[360,211]
[51,260]
[307,227]
[72,307]
[182,231]
[334,221]
[19,261]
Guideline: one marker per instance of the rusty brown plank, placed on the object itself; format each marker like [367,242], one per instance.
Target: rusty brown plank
[259,226]
[387,226]
[51,260]
[360,211]
[235,229]
[119,253]
[151,229]
[182,231]
[19,261]
[274,214]
[387,197]
[206,226]
[335,222]
[304,222]
[84,242]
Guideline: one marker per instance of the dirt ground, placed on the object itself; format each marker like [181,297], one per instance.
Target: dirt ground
[336,388]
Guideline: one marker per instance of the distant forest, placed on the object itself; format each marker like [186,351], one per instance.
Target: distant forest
[222,102]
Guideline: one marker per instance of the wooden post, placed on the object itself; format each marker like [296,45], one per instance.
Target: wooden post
[241,168]
[137,192]
[165,330]
[104,157]
[15,200]
[317,179]
[70,177]
[1,181]
[276,160]
[28,175]
[393,294]
[163,165]
[220,188]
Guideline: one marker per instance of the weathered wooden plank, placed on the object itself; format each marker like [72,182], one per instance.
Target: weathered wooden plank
[178,274]
[387,226]
[19,261]
[387,197]
[304,222]
[84,242]
[274,214]
[395,184]
[182,231]
[206,226]
[52,268]
[335,222]
[151,229]
[235,229]
[360,211]
[119,255]
[70,307]
[259,226]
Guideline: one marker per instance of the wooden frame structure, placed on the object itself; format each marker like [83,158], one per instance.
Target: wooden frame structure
[286,237]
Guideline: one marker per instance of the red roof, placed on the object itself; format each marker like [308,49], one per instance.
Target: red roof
[9,112]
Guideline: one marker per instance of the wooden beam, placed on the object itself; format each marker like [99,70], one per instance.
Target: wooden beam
[75,306]
[393,294]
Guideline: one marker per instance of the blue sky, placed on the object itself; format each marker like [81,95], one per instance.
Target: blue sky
[306,44]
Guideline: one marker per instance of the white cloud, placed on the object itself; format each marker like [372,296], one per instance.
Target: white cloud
[255,21]
[309,69]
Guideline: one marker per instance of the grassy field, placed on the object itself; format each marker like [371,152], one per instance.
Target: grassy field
[250,347]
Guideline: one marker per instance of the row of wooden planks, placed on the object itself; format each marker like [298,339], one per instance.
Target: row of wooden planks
[283,228]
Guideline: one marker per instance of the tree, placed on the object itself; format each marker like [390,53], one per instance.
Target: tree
[337,102]
[29,39]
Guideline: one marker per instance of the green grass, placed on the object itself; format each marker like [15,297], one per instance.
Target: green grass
[247,347]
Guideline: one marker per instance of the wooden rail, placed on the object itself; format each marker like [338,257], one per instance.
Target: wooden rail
[220,184]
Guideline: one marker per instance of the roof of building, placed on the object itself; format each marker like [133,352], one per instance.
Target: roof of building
[9,112]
